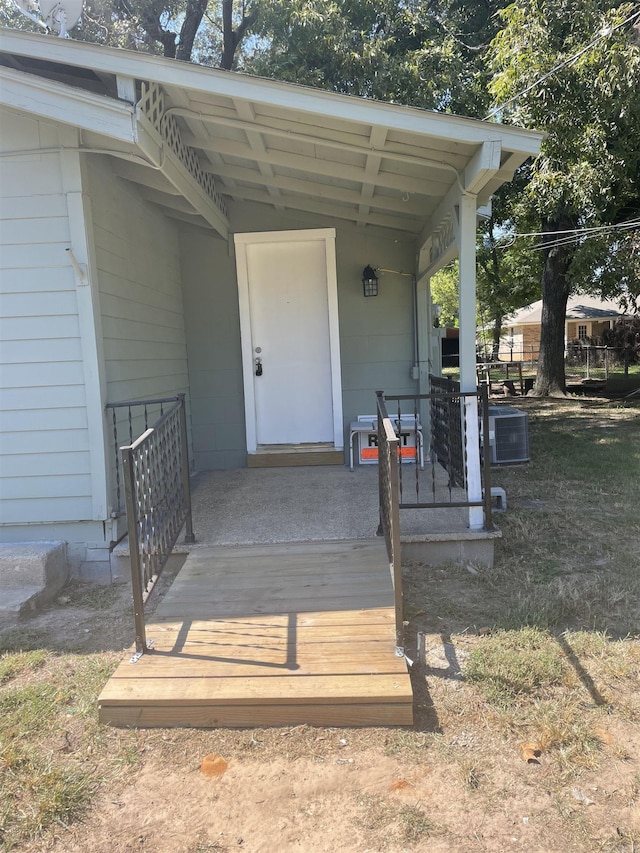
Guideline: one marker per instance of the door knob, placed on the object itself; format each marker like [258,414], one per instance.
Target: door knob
[258,367]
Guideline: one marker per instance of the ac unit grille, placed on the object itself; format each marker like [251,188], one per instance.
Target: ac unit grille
[509,436]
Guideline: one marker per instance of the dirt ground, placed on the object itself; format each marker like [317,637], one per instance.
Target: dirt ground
[457,782]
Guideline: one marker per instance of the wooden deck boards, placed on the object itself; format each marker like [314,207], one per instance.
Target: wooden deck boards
[269,635]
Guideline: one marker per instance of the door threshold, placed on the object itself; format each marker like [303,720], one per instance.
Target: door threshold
[289,455]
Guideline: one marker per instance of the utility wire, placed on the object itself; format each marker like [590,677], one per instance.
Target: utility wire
[578,230]
[602,35]
[573,236]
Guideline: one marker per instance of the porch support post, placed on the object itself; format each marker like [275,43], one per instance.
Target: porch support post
[467,255]
[425,344]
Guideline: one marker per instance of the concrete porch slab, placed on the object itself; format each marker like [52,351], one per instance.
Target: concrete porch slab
[265,506]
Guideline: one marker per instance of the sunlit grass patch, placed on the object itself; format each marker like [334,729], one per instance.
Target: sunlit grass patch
[564,729]
[12,665]
[511,664]
[48,725]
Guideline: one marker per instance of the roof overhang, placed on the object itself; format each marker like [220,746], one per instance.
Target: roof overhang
[200,139]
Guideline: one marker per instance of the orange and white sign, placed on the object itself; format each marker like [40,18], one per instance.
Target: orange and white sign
[368,447]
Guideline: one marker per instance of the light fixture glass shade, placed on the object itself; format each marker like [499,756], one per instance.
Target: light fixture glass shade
[369,281]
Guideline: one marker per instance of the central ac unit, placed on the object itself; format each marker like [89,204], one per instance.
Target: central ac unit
[508,435]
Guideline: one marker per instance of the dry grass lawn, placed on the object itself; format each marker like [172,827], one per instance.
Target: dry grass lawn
[527,704]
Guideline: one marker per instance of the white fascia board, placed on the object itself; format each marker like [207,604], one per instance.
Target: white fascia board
[171,72]
[58,102]
[483,166]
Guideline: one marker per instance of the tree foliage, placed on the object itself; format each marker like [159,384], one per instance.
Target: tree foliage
[508,270]
[625,338]
[589,167]
[444,292]
[428,55]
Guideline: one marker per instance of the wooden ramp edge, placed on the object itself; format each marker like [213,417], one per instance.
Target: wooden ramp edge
[269,636]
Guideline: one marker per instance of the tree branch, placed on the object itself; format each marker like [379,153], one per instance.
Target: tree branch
[155,30]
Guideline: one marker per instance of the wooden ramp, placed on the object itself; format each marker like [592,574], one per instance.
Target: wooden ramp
[269,635]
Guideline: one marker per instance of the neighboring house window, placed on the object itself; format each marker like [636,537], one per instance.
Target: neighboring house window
[582,332]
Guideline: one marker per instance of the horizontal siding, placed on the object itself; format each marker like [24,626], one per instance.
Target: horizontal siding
[31,207]
[25,488]
[43,399]
[132,350]
[129,389]
[31,279]
[63,418]
[40,304]
[37,509]
[58,441]
[45,464]
[42,373]
[44,459]
[56,349]
[49,230]
[38,328]
[123,308]
[118,329]
[137,257]
[41,173]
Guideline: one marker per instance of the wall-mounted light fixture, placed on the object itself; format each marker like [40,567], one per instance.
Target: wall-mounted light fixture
[369,281]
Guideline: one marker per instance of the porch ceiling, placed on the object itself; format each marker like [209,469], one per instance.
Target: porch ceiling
[287,146]
[353,170]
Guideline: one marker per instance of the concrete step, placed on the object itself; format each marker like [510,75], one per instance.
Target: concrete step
[31,574]
[16,602]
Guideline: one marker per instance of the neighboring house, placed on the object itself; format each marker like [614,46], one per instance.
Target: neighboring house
[172,228]
[587,317]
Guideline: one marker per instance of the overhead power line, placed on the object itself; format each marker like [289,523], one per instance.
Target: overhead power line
[564,238]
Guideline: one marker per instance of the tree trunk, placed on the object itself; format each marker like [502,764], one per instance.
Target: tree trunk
[497,329]
[231,38]
[550,380]
[193,16]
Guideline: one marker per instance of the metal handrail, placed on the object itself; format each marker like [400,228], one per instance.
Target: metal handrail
[158,504]
[130,405]
[388,449]
[447,446]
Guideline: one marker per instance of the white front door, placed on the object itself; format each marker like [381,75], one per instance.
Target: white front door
[288,307]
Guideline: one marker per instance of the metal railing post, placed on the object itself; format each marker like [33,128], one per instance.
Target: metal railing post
[134,550]
[395,545]
[388,451]
[189,537]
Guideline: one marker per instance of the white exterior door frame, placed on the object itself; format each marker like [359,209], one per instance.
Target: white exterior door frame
[242,241]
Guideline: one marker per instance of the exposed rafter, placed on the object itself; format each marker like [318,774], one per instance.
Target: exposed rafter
[319,167]
[327,209]
[254,137]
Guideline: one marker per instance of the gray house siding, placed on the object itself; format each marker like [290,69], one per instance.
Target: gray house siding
[138,265]
[376,334]
[45,464]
